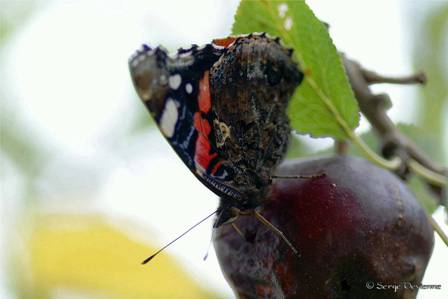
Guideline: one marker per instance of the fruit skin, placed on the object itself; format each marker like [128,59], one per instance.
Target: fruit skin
[356,224]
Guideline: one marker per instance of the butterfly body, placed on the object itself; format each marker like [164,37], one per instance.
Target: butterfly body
[222,107]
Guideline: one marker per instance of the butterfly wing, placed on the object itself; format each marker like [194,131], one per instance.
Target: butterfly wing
[176,92]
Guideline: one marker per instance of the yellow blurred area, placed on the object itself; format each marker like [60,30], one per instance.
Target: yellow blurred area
[84,254]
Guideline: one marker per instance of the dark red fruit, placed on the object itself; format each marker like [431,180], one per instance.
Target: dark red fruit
[356,225]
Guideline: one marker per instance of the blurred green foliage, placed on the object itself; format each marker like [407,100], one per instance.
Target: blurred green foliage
[18,142]
[12,16]
[430,55]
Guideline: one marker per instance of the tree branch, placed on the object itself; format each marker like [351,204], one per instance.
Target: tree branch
[394,143]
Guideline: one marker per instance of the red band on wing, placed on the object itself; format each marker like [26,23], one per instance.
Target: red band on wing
[204,100]
[224,42]
[202,155]
[203,151]
[202,125]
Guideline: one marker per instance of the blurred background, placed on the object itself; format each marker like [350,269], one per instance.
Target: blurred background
[89,187]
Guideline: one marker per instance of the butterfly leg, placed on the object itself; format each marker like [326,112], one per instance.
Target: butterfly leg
[226,215]
[238,230]
[276,231]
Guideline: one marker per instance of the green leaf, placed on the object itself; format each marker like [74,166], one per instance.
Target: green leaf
[324,104]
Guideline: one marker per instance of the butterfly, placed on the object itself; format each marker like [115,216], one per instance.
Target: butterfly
[222,108]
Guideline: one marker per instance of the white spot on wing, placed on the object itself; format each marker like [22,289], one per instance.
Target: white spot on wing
[189,88]
[288,23]
[175,81]
[169,118]
[282,8]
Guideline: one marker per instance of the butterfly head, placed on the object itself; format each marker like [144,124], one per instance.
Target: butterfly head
[260,64]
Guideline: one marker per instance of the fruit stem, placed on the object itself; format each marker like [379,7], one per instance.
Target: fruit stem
[431,176]
[415,167]
[438,230]
[341,146]
[372,156]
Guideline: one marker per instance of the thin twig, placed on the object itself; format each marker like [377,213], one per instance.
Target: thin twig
[434,177]
[438,230]
[341,146]
[395,143]
[373,78]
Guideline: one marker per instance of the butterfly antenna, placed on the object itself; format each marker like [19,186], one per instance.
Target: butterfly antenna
[276,231]
[183,234]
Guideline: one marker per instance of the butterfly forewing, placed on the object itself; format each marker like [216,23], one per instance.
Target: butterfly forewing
[176,91]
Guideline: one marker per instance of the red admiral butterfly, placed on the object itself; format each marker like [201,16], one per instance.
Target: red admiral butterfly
[222,107]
